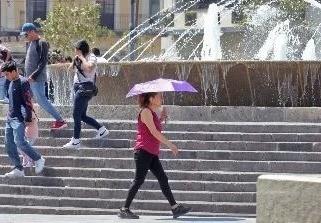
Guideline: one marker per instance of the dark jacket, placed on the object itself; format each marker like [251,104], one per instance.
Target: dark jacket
[20,96]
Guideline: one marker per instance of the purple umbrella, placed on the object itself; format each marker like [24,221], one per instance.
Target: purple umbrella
[161,85]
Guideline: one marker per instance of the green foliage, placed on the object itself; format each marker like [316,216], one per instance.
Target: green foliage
[71,21]
[294,9]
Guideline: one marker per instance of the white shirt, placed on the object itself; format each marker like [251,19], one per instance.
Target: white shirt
[90,76]
[101,60]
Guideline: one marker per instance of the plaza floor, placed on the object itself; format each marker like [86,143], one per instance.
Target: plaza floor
[15,218]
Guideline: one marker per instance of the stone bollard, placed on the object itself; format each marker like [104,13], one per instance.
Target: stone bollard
[288,198]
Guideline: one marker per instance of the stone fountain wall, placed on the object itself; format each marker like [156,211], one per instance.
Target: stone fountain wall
[224,83]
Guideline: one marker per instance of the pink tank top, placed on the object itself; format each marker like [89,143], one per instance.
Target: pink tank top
[144,139]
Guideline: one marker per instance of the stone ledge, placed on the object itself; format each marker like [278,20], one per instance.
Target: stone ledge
[289,198]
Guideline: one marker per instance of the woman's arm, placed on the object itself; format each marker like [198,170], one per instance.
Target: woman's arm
[89,65]
[147,119]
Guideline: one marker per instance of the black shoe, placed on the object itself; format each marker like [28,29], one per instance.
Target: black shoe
[180,210]
[127,214]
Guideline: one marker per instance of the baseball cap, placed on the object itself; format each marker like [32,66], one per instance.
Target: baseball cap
[27,27]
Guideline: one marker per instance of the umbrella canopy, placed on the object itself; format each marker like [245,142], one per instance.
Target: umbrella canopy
[161,85]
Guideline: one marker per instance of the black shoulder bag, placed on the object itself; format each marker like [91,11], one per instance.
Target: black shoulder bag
[86,89]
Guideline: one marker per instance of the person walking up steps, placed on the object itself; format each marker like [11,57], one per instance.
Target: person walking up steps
[85,64]
[19,96]
[35,67]
[146,158]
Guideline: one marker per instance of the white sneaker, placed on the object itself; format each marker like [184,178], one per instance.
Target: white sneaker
[15,173]
[102,132]
[39,165]
[73,144]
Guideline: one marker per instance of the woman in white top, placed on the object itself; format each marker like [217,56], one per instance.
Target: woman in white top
[85,65]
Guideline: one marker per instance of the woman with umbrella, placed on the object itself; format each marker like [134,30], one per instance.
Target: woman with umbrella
[147,146]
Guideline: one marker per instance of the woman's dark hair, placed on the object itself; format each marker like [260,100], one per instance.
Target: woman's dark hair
[83,46]
[143,99]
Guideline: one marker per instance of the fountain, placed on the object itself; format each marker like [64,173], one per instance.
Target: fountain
[309,51]
[269,78]
[212,34]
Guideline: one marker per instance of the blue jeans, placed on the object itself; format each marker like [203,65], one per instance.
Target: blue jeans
[15,138]
[2,87]
[38,91]
[80,114]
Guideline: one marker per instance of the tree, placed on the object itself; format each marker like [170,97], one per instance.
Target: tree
[70,21]
[294,9]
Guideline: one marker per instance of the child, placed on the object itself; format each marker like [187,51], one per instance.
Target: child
[147,149]
[31,134]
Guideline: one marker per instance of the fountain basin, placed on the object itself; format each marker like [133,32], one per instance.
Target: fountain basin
[220,83]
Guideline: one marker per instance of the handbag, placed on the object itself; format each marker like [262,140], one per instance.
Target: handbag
[86,89]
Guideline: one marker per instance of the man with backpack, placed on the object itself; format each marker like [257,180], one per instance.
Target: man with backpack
[36,72]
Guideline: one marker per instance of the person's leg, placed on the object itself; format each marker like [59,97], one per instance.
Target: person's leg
[142,161]
[38,91]
[11,147]
[80,107]
[2,88]
[20,140]
[157,169]
[86,119]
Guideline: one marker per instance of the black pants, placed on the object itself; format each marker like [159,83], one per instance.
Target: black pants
[80,114]
[144,162]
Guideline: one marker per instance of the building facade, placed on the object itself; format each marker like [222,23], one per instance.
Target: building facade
[115,14]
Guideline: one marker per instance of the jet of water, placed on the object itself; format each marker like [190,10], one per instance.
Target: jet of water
[271,45]
[212,33]
[139,33]
[309,51]
[280,48]
[314,3]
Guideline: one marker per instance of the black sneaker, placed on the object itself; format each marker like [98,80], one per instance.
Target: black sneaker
[180,210]
[127,214]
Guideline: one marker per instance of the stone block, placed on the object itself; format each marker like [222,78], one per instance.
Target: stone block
[289,199]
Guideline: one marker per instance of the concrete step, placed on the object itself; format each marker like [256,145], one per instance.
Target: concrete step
[184,164]
[129,174]
[189,185]
[188,144]
[184,135]
[107,193]
[183,154]
[14,209]
[197,126]
[198,206]
[98,143]
[201,113]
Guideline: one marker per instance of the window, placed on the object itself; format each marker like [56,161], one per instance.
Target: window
[107,13]
[39,9]
[154,7]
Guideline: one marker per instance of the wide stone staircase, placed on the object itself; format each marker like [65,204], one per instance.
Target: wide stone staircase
[222,152]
